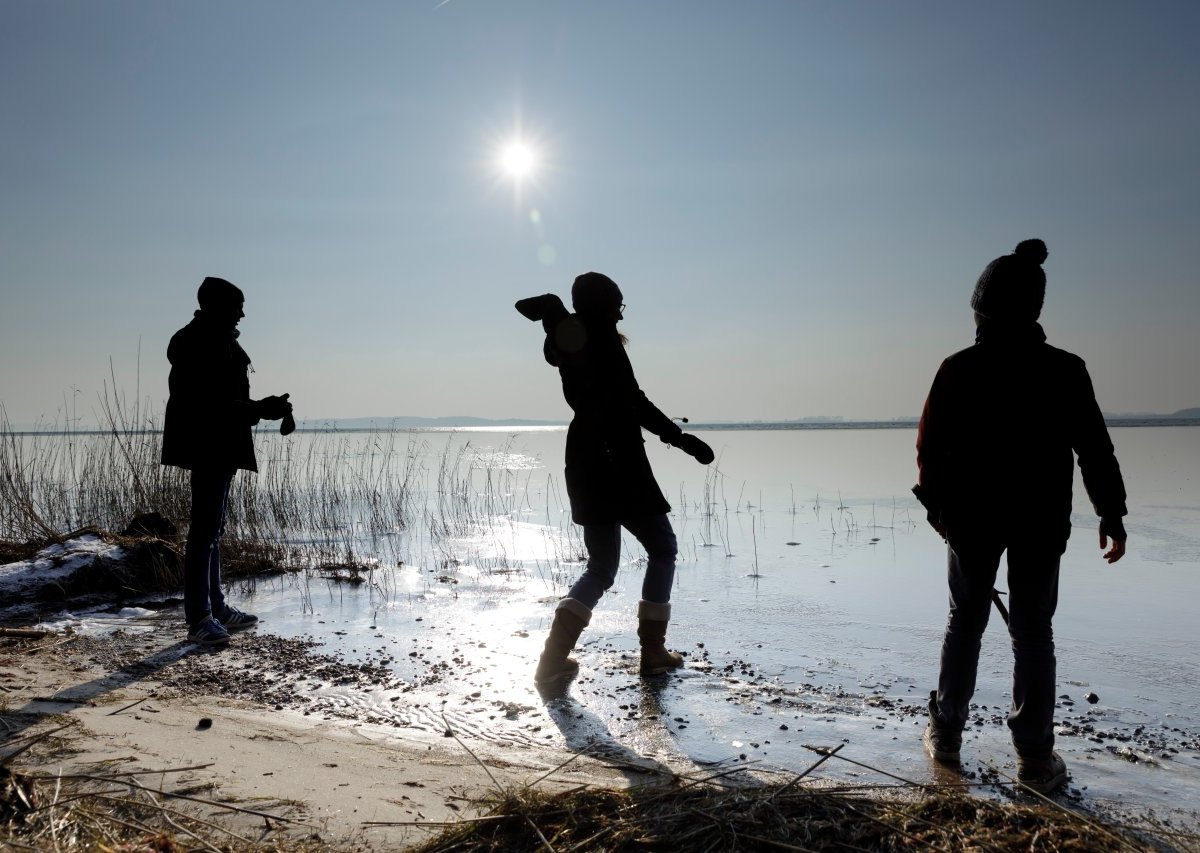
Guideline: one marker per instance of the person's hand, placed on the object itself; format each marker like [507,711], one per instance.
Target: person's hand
[1112,528]
[539,307]
[695,448]
[273,408]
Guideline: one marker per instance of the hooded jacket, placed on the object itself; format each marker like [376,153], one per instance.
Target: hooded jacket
[995,443]
[608,476]
[209,412]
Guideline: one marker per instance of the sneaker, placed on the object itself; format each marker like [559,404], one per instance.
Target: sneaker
[942,744]
[1043,775]
[235,620]
[208,632]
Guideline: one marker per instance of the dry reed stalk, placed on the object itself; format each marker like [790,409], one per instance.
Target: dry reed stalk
[608,820]
[325,498]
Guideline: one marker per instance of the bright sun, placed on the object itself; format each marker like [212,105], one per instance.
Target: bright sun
[518,160]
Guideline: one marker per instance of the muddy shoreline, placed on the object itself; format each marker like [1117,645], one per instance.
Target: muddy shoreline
[452,662]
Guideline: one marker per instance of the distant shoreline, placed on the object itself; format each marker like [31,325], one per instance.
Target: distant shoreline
[912,424]
[1114,423]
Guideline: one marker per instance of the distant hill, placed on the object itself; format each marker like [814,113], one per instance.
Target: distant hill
[1182,414]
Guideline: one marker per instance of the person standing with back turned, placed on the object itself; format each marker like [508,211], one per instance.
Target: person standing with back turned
[994,455]
[207,430]
[609,481]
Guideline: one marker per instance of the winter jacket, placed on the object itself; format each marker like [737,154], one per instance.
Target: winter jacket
[209,412]
[608,476]
[994,447]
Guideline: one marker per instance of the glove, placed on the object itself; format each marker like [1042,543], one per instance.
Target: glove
[540,307]
[1113,528]
[695,448]
[273,408]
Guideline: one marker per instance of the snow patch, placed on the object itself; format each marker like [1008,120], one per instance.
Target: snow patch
[55,562]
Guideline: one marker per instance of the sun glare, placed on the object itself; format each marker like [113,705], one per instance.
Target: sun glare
[518,160]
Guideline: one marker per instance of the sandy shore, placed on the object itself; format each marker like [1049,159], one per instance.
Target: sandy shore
[380,744]
[222,727]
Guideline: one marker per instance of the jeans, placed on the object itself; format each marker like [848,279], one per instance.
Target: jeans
[202,595]
[1033,598]
[603,542]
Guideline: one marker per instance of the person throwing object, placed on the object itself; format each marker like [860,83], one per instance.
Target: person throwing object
[609,481]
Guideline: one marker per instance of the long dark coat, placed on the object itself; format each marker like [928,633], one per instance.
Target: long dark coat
[994,448]
[209,413]
[607,473]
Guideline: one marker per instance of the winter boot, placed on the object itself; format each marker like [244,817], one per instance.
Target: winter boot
[652,632]
[570,618]
[1044,773]
[942,742]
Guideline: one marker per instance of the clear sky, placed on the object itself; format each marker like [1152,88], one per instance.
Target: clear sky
[796,197]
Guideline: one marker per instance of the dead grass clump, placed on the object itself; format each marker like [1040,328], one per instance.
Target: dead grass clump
[16,552]
[119,810]
[775,817]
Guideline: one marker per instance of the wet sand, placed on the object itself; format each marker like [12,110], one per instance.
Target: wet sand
[287,737]
[139,700]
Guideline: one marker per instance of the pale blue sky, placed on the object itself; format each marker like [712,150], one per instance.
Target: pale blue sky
[796,197]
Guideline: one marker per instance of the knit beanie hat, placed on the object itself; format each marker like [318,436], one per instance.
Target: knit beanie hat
[219,293]
[595,293]
[1012,288]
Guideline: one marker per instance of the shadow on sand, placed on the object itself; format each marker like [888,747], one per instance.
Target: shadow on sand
[18,720]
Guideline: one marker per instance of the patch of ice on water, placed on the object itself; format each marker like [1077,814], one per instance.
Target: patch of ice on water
[133,613]
[875,682]
[1165,545]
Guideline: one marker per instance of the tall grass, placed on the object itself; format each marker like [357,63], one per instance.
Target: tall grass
[56,481]
[320,500]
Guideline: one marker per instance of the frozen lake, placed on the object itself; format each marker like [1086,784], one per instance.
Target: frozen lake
[809,598]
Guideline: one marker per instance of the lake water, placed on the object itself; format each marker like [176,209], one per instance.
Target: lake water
[810,600]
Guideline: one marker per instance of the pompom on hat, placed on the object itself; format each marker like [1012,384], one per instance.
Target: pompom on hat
[1012,288]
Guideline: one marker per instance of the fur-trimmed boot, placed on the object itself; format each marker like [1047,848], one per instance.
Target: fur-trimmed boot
[570,618]
[652,632]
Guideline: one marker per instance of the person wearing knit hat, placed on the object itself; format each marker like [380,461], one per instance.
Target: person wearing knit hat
[1001,428]
[207,430]
[609,481]
[1013,287]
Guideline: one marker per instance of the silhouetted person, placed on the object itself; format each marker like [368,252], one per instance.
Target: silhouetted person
[207,429]
[994,452]
[609,481]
